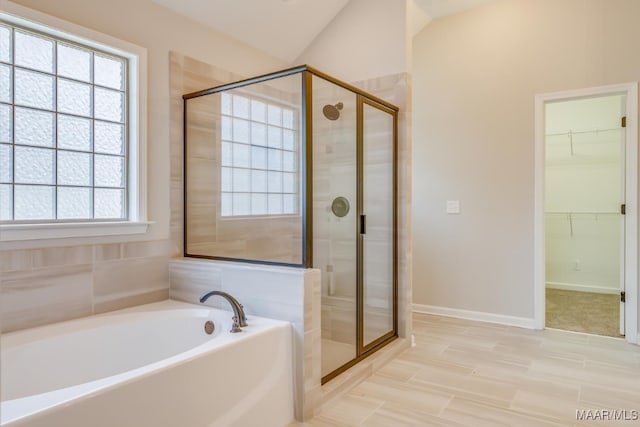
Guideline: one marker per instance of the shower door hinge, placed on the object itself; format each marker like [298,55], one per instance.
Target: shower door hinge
[623,209]
[624,122]
[623,296]
[363,224]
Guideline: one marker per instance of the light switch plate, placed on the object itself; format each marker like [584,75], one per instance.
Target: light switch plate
[453,206]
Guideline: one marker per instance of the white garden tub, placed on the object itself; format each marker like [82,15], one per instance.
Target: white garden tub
[153,366]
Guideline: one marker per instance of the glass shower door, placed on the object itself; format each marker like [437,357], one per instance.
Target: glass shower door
[377,224]
[335,214]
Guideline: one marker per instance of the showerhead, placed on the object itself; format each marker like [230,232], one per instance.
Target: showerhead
[332,112]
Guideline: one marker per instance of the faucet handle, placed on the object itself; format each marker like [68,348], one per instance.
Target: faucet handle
[236,326]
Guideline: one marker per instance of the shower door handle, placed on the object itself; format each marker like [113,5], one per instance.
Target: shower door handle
[363,224]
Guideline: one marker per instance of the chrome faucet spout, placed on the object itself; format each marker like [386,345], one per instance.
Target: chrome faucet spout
[239,318]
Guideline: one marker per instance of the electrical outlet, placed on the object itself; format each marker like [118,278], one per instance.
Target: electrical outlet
[576,265]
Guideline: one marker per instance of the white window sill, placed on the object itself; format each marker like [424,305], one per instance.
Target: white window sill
[14,232]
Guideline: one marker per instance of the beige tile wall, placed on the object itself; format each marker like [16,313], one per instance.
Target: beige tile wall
[41,286]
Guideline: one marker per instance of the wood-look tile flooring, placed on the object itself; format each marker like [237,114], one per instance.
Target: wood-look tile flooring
[465,373]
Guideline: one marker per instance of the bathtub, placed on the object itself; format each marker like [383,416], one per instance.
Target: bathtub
[153,365]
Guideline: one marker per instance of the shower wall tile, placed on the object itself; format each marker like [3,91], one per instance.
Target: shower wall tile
[186,75]
[326,324]
[38,297]
[232,248]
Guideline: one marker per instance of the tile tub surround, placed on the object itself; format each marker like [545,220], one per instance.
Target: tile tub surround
[47,285]
[283,293]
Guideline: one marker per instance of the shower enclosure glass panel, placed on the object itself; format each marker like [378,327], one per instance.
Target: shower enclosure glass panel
[335,215]
[243,187]
[377,238]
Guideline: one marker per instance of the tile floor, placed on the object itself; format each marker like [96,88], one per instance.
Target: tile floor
[464,373]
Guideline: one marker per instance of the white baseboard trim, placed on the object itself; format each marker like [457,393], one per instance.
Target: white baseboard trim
[582,288]
[521,322]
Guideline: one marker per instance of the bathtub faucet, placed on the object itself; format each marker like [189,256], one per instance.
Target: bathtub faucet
[239,318]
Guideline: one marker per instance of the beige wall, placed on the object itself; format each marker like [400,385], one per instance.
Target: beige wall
[475,77]
[44,281]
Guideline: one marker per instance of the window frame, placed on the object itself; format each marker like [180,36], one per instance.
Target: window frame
[135,129]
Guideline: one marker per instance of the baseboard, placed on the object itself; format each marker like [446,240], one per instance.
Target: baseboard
[582,288]
[521,322]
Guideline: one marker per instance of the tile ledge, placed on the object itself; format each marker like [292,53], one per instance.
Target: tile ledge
[211,263]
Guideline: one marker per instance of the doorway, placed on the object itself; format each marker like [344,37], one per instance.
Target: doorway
[586,174]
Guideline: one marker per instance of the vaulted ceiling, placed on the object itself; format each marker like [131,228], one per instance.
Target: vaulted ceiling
[285,28]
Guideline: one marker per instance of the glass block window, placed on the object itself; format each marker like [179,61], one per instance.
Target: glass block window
[63,132]
[259,173]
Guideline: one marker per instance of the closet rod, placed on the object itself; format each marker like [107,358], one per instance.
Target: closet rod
[574,132]
[581,213]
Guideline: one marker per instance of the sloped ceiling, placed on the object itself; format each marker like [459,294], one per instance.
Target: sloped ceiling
[285,28]
[439,8]
[424,11]
[282,28]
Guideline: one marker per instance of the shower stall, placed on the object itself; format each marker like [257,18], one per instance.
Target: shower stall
[298,169]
